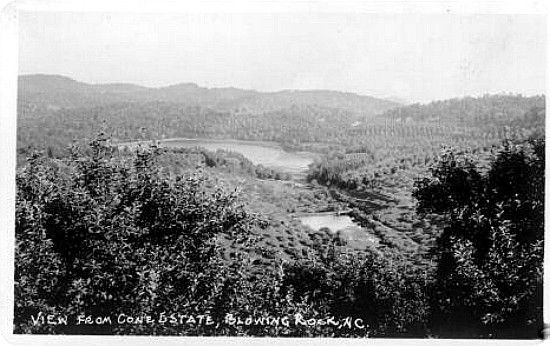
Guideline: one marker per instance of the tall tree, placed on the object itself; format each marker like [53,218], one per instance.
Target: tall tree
[489,276]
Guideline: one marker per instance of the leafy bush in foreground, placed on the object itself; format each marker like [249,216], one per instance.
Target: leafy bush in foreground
[490,256]
[107,234]
[381,289]
[102,235]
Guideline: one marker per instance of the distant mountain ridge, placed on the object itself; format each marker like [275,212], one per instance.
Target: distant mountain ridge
[55,91]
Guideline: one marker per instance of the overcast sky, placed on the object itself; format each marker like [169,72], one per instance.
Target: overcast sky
[415,57]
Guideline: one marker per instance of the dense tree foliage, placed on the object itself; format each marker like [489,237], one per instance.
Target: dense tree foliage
[485,111]
[489,276]
[384,290]
[145,230]
[106,233]
[302,126]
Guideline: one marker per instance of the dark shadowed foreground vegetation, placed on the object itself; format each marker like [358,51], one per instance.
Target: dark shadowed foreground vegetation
[446,199]
[104,233]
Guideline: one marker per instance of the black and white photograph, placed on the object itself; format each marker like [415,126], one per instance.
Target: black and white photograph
[276,172]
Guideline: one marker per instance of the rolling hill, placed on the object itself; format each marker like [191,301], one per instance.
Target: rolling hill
[487,110]
[56,92]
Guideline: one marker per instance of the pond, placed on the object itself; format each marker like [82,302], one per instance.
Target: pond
[268,154]
[332,221]
[343,226]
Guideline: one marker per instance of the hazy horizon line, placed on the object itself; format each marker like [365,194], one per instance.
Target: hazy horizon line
[386,97]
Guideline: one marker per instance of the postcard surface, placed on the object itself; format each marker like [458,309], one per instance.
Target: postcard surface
[304,174]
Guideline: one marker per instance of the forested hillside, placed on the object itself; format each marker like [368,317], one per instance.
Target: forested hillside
[485,111]
[126,222]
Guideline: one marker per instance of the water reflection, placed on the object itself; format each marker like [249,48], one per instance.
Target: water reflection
[264,153]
